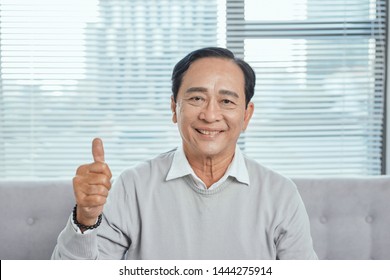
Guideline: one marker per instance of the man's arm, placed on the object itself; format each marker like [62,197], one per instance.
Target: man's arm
[91,186]
[293,238]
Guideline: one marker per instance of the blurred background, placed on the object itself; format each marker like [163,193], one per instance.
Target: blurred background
[74,70]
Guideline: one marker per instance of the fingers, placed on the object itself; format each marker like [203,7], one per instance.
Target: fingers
[97,150]
[100,167]
[98,179]
[90,179]
[88,194]
[91,195]
[95,190]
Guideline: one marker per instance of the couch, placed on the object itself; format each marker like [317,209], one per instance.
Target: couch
[350,217]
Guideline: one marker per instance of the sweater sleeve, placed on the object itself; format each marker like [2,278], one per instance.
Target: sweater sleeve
[72,245]
[292,237]
[108,241]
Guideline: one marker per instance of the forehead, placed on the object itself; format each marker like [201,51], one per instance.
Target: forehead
[212,71]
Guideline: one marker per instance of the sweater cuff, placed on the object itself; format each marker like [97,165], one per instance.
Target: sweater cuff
[75,245]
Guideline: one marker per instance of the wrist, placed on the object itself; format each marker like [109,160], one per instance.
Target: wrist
[83,224]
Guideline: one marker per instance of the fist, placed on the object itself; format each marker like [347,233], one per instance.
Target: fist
[91,186]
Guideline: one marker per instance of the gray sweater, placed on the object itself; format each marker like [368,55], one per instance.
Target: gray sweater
[149,217]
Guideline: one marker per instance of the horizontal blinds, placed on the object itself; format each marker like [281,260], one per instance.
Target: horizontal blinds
[320,84]
[74,70]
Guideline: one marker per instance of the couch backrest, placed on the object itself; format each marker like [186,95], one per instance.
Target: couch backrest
[33,214]
[350,217]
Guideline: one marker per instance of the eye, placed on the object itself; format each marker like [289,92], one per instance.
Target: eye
[196,99]
[227,101]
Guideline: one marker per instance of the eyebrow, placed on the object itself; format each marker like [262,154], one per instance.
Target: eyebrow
[229,93]
[196,89]
[222,91]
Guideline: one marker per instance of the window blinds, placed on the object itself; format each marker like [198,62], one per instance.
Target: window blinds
[74,70]
[320,69]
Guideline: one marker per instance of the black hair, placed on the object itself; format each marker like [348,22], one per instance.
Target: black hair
[182,66]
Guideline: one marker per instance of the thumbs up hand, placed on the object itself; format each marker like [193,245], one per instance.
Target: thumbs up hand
[91,185]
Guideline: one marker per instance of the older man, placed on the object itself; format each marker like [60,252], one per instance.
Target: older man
[203,200]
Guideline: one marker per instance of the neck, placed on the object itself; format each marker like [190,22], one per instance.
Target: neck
[210,169]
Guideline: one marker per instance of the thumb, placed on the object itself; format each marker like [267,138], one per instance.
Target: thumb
[97,150]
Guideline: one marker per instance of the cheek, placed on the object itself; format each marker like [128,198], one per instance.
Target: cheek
[186,114]
[236,119]
[182,121]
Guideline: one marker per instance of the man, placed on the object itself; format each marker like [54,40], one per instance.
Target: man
[203,200]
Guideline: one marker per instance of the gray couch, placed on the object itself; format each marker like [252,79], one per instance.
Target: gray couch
[350,217]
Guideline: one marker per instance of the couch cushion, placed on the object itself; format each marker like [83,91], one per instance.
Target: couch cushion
[349,217]
[33,214]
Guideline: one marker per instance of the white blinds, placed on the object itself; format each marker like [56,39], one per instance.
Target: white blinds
[73,70]
[320,69]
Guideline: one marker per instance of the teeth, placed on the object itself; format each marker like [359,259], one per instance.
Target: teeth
[208,132]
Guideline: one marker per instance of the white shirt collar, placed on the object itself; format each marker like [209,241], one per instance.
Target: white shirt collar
[180,167]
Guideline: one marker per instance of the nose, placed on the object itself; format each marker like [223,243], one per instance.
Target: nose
[211,112]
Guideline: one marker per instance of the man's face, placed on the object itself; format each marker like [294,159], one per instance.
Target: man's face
[210,109]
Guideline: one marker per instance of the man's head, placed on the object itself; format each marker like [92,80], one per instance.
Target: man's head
[210,105]
[182,66]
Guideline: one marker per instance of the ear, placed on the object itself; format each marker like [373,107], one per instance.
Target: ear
[173,109]
[248,114]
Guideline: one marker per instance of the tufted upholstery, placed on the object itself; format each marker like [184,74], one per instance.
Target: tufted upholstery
[350,217]
[33,214]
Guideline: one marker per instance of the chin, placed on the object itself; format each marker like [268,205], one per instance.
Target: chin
[211,151]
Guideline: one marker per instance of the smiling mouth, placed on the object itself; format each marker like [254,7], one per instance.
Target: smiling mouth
[208,132]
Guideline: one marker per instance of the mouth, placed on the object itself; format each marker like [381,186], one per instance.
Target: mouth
[210,133]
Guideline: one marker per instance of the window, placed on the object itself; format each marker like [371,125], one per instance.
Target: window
[73,70]
[320,69]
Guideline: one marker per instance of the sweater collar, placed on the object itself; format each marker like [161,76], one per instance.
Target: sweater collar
[180,167]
